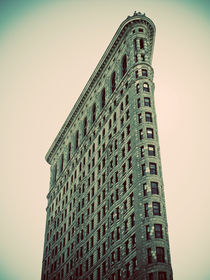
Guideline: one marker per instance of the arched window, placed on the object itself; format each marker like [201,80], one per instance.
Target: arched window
[103,98]
[94,112]
[124,65]
[85,126]
[113,80]
[146,87]
[77,139]
[141,43]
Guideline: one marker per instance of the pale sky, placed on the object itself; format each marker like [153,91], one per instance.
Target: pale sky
[48,50]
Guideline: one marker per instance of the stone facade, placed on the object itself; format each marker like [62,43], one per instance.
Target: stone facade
[106,216]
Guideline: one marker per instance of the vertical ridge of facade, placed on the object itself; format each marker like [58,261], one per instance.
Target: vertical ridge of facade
[106,216]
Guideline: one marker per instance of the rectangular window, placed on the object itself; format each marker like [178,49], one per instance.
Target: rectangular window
[137,88]
[148,232]
[143,169]
[160,255]
[145,189]
[148,117]
[150,133]
[162,275]
[137,74]
[138,103]
[153,168]
[156,208]
[151,150]
[146,210]
[144,72]
[154,188]
[147,101]
[149,255]
[158,231]
[140,118]
[141,134]
[142,151]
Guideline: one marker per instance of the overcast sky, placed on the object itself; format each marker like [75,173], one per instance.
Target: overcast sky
[48,50]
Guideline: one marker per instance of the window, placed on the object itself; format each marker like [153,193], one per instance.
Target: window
[156,208]
[132,220]
[146,87]
[160,255]
[126,100]
[69,151]
[137,74]
[124,65]
[147,101]
[77,139]
[138,103]
[145,189]
[103,98]
[113,81]
[142,151]
[142,57]
[148,232]
[143,169]
[127,270]
[85,126]
[62,160]
[127,247]
[137,88]
[151,276]
[146,210]
[133,240]
[148,117]
[141,134]
[158,231]
[151,150]
[162,275]
[153,168]
[149,255]
[140,118]
[94,113]
[154,188]
[150,133]
[141,43]
[104,268]
[144,72]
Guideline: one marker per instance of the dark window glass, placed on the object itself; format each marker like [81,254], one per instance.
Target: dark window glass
[150,133]
[153,168]
[154,188]
[113,81]
[147,101]
[162,275]
[149,255]
[124,65]
[156,208]
[144,72]
[146,210]
[151,150]
[146,87]
[158,231]
[141,43]
[148,117]
[94,113]
[160,255]
[103,98]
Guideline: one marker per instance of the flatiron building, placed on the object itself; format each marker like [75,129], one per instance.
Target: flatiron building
[106,215]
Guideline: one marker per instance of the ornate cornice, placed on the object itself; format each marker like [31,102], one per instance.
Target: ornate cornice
[129,21]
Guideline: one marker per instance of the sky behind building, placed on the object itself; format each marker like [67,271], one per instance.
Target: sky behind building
[48,50]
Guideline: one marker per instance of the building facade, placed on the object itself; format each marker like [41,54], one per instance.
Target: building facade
[106,216]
